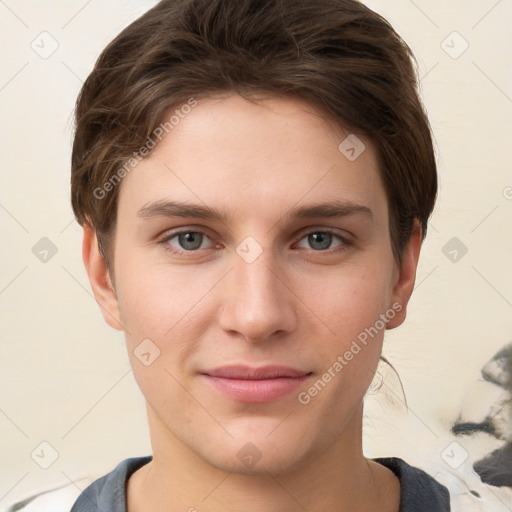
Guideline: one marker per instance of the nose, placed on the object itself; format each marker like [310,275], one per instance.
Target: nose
[257,303]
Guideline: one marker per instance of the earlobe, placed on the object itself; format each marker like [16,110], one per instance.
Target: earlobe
[406,277]
[100,280]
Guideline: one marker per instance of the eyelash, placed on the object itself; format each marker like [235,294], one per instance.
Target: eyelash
[164,241]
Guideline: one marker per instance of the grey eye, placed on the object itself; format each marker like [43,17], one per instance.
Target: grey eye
[320,241]
[189,240]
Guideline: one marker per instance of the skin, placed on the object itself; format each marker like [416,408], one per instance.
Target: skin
[295,305]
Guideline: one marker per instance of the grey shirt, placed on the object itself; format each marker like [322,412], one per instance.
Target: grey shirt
[419,491]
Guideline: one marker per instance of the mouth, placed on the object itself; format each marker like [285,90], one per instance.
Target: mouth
[255,385]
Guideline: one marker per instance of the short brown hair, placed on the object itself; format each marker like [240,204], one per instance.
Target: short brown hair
[338,55]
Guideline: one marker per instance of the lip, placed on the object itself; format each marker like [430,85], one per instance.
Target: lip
[255,385]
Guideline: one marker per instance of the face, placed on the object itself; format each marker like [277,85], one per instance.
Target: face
[254,278]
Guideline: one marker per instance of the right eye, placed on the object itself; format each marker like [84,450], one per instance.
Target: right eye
[186,241]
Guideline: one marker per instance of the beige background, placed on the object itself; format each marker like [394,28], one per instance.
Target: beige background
[64,374]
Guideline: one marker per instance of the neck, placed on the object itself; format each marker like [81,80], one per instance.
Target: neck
[339,479]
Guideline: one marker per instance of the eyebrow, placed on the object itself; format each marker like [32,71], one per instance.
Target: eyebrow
[164,208]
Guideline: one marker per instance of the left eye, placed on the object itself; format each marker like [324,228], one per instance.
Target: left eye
[188,240]
[321,240]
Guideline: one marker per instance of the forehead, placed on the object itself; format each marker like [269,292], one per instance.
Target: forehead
[239,156]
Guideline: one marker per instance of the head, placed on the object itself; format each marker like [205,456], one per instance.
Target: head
[297,129]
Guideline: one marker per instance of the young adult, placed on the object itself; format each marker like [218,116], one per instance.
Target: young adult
[254,181]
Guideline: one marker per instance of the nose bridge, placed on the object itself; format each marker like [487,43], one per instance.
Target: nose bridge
[257,303]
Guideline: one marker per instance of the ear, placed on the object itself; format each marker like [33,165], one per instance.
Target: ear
[404,277]
[100,280]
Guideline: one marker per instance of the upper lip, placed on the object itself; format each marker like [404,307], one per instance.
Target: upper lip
[250,373]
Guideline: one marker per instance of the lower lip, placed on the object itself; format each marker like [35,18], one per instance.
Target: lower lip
[256,391]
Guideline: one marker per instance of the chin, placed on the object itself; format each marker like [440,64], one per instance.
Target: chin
[274,464]
[257,454]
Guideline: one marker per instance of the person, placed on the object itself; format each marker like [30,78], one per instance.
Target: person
[254,181]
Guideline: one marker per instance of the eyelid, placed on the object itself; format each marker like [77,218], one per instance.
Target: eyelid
[324,229]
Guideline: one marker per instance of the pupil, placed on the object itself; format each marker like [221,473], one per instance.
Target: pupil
[190,241]
[320,240]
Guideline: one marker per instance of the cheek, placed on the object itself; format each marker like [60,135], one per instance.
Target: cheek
[172,307]
[162,312]
[348,307]
[347,300]
[156,300]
